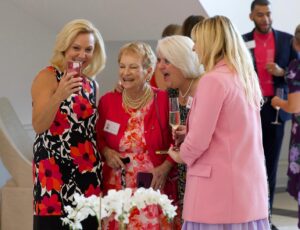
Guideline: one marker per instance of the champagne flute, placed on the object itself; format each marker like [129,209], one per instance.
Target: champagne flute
[279,93]
[174,113]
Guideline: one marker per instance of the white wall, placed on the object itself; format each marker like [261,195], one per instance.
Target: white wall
[25,48]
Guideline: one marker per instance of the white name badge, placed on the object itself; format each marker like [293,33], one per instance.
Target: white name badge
[189,102]
[250,44]
[111,127]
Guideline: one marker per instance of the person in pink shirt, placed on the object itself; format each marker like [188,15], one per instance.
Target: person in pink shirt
[226,184]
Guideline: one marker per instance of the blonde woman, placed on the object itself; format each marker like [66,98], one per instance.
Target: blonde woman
[64,114]
[226,184]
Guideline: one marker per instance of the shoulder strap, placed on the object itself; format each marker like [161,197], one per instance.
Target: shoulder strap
[94,98]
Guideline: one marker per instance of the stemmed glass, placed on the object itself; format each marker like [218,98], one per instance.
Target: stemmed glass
[279,93]
[174,114]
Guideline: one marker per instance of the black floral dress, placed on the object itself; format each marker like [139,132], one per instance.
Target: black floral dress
[293,187]
[66,160]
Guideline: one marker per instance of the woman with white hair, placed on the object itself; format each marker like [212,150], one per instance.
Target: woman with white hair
[181,70]
[226,183]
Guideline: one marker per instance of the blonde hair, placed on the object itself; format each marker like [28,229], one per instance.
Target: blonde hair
[143,50]
[217,39]
[178,50]
[66,37]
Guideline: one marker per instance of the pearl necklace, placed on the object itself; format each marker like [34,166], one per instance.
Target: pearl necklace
[138,103]
[188,90]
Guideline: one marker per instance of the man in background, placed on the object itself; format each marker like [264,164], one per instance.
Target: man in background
[272,52]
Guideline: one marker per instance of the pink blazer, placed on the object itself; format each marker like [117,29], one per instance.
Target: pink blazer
[226,175]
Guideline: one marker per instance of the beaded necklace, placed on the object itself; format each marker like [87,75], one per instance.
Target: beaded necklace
[138,103]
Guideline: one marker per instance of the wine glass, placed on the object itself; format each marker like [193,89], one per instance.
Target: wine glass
[279,93]
[174,114]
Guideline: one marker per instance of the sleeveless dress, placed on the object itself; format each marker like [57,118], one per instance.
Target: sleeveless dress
[66,160]
[293,80]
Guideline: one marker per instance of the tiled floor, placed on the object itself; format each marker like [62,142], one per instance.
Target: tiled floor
[285,212]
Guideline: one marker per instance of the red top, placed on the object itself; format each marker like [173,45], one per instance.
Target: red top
[153,81]
[157,137]
[264,53]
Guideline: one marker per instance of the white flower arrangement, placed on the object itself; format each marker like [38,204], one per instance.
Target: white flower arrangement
[115,202]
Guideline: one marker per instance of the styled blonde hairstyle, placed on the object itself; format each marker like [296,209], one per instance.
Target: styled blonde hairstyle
[66,37]
[141,49]
[178,50]
[216,38]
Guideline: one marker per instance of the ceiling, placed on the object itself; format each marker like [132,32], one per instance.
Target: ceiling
[116,19]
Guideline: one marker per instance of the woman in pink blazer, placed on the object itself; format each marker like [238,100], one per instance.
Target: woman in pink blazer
[226,185]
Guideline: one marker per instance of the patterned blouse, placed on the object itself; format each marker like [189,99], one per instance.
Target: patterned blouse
[133,145]
[293,80]
[66,160]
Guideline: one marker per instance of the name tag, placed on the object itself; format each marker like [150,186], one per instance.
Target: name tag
[111,127]
[189,102]
[250,44]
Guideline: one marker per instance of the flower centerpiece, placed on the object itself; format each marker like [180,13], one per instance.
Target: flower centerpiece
[120,203]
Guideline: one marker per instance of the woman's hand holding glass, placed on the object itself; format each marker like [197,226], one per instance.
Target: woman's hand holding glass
[68,85]
[179,134]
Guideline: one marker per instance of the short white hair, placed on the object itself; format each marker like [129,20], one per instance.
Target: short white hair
[178,50]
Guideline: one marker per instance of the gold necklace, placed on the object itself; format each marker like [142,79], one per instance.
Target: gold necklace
[188,90]
[138,103]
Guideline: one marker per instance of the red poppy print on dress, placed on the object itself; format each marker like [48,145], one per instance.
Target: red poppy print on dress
[51,68]
[60,124]
[49,175]
[50,206]
[84,156]
[82,107]
[92,191]
[86,86]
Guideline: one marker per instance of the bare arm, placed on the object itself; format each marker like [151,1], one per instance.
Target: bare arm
[47,95]
[292,105]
